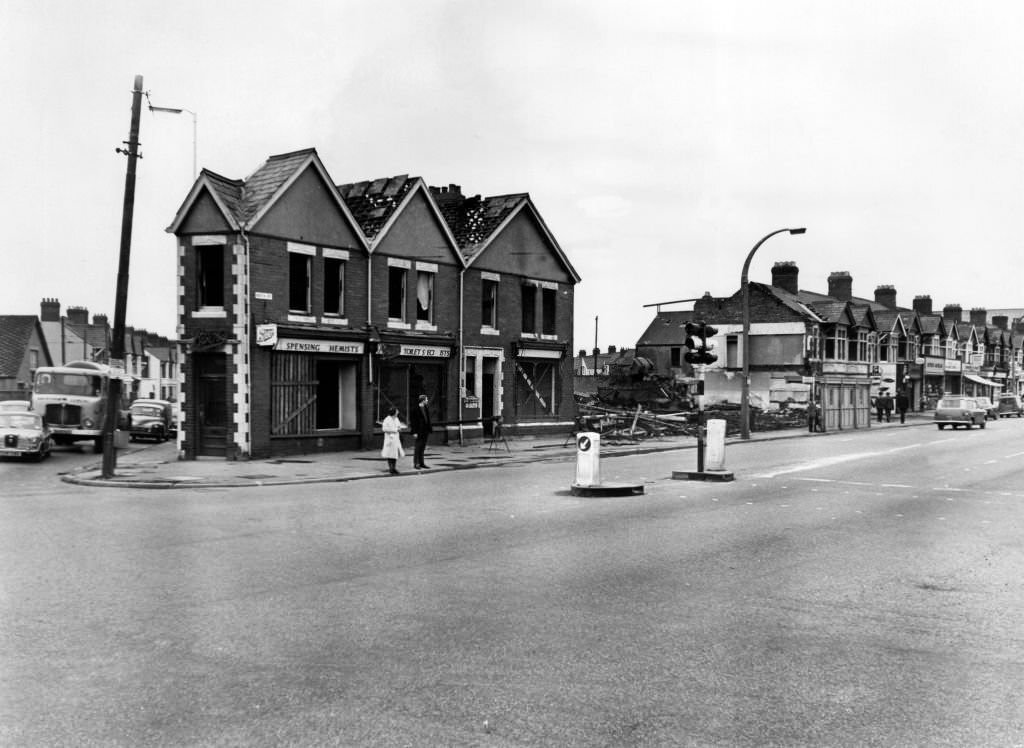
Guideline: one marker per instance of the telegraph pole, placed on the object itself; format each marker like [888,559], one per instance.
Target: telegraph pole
[117,363]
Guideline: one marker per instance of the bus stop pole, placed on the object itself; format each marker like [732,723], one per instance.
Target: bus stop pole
[117,363]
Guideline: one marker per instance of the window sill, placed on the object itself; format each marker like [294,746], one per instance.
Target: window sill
[293,317]
[328,320]
[426,327]
[397,324]
[489,331]
[210,312]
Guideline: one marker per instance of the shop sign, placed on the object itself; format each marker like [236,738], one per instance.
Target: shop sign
[471,403]
[266,334]
[299,345]
[951,364]
[934,366]
[425,351]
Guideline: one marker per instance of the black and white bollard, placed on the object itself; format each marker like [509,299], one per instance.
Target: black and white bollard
[588,470]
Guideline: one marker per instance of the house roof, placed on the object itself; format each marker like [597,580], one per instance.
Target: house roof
[931,324]
[666,329]
[15,334]
[373,202]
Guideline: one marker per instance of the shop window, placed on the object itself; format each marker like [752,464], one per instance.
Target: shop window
[549,298]
[396,293]
[334,286]
[489,303]
[469,382]
[335,395]
[536,389]
[424,297]
[298,282]
[308,395]
[529,303]
[210,276]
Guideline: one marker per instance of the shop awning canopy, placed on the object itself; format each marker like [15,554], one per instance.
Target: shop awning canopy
[981,380]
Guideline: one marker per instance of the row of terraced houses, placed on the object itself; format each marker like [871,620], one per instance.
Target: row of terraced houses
[308,308]
[841,350]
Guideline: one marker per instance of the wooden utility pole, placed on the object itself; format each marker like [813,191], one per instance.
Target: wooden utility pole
[117,363]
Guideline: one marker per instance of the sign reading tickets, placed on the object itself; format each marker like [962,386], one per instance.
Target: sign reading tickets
[300,345]
[425,351]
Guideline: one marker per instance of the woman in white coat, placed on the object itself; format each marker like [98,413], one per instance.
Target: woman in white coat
[392,448]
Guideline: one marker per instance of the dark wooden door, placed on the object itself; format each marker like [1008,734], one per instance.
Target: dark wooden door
[212,404]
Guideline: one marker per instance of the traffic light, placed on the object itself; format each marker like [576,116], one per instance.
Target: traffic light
[698,349]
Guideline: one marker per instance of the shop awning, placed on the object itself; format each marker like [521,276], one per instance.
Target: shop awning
[981,380]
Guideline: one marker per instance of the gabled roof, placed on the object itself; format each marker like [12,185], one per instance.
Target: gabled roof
[833,312]
[245,202]
[15,335]
[932,324]
[890,320]
[475,222]
[965,330]
[374,202]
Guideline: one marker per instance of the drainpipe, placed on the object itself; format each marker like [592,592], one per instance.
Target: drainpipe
[462,354]
[246,338]
[369,306]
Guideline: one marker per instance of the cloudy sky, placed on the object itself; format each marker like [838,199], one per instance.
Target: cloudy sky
[659,140]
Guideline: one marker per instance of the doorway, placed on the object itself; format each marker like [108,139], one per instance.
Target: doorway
[212,398]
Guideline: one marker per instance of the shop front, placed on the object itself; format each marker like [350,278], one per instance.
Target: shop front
[405,371]
[934,371]
[539,385]
[952,381]
[845,395]
[314,394]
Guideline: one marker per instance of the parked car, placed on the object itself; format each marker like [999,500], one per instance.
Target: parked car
[19,406]
[1009,405]
[150,419]
[989,406]
[24,434]
[959,411]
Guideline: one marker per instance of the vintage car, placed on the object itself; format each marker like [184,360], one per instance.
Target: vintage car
[19,406]
[959,411]
[151,419]
[989,407]
[1009,405]
[24,434]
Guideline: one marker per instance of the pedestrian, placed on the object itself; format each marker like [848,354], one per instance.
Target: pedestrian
[902,404]
[420,422]
[887,407]
[879,408]
[813,417]
[392,449]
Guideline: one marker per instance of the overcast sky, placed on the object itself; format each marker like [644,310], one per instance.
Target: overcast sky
[659,140]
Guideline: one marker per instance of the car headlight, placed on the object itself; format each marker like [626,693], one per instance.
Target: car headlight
[88,423]
[32,441]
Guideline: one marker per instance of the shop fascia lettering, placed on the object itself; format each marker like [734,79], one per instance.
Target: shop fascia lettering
[298,345]
[425,351]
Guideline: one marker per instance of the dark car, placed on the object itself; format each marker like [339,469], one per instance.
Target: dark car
[150,419]
[959,411]
[1009,405]
[24,434]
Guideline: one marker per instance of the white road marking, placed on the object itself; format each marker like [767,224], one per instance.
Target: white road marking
[839,459]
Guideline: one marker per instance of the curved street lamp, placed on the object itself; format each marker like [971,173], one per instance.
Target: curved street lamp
[745,288]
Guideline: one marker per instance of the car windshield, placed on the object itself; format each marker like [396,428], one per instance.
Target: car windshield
[154,411]
[56,383]
[20,421]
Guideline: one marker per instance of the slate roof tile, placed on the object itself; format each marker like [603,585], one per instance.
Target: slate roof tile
[15,334]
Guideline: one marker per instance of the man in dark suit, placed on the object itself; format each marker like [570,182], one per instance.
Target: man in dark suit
[419,422]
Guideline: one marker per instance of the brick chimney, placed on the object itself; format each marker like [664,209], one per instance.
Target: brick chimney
[79,315]
[99,319]
[786,275]
[1001,321]
[583,353]
[886,296]
[612,349]
[840,285]
[979,316]
[49,310]
[953,312]
[923,304]
[449,194]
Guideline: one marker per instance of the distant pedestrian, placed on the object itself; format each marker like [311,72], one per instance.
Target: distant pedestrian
[421,427]
[902,404]
[879,408]
[813,417]
[392,449]
[887,407]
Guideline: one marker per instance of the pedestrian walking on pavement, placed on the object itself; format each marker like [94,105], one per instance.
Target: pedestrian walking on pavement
[420,423]
[887,407]
[879,408]
[813,417]
[392,449]
[902,404]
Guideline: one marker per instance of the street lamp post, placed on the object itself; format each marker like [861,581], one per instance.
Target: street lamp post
[173,110]
[745,288]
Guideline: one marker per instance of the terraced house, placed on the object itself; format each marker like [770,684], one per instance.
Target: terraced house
[307,309]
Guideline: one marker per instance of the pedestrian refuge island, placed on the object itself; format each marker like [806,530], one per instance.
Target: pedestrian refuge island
[588,470]
[710,456]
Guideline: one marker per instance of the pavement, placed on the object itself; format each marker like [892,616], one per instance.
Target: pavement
[157,466]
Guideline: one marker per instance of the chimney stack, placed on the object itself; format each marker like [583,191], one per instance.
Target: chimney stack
[79,315]
[100,320]
[953,313]
[786,275]
[612,349]
[49,310]
[979,317]
[886,296]
[840,285]
[1001,321]
[923,304]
